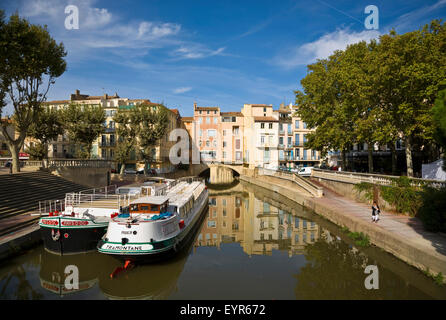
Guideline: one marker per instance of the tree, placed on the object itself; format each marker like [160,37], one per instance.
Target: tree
[127,124]
[30,61]
[439,117]
[46,127]
[322,105]
[84,123]
[411,67]
[153,121]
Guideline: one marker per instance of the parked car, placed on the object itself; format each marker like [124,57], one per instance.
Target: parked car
[151,172]
[130,171]
[305,171]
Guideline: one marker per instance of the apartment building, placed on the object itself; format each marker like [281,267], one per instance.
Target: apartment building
[104,146]
[206,132]
[261,139]
[232,133]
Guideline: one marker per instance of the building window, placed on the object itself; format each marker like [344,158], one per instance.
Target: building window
[237,143]
[296,124]
[262,140]
[280,140]
[264,109]
[238,155]
[224,144]
[208,119]
[235,131]
[224,154]
[215,120]
[304,125]
[262,125]
[224,133]
[270,125]
[200,120]
[212,133]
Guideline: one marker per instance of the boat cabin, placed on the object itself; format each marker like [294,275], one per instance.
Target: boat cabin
[154,189]
[149,205]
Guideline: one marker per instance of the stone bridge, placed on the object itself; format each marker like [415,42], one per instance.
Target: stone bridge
[219,173]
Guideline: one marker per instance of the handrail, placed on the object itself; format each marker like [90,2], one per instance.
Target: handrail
[307,185]
[358,177]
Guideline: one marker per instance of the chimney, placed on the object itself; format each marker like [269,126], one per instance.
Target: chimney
[77,92]
[195,105]
[105,96]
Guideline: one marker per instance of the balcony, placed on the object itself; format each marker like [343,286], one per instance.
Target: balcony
[107,144]
[281,132]
[298,144]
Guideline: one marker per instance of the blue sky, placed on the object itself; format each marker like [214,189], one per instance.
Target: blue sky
[217,53]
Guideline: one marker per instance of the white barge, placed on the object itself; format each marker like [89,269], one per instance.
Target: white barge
[77,223]
[157,223]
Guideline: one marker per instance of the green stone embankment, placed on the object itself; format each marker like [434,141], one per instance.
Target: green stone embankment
[402,236]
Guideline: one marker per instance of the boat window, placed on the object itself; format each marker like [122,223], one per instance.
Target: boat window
[155,208]
[144,208]
[134,207]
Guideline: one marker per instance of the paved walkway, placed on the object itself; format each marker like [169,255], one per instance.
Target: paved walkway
[404,227]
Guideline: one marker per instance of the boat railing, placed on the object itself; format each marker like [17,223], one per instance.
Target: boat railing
[191,179]
[97,200]
[47,206]
[103,190]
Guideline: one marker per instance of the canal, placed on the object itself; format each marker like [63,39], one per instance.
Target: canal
[252,244]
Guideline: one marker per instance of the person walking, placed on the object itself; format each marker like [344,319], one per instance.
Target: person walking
[375,212]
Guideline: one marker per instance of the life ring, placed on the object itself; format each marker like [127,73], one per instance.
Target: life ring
[55,235]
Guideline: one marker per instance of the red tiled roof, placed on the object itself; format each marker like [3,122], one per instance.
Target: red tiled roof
[265,119]
[237,114]
[187,119]
[207,108]
[56,101]
[175,111]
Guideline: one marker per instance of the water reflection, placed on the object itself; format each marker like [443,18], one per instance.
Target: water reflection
[256,224]
[54,279]
[251,244]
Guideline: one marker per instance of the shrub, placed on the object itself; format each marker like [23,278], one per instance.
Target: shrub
[432,211]
[403,196]
[361,239]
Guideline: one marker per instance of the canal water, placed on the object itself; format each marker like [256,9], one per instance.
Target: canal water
[252,244]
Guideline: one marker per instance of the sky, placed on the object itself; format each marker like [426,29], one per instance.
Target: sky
[214,52]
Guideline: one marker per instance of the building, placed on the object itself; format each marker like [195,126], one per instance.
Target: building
[232,133]
[302,157]
[261,136]
[104,146]
[206,132]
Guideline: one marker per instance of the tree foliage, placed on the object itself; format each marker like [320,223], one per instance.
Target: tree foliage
[30,61]
[47,126]
[84,124]
[439,118]
[375,92]
[141,126]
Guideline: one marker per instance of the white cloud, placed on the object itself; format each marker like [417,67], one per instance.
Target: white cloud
[182,90]
[322,47]
[195,51]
